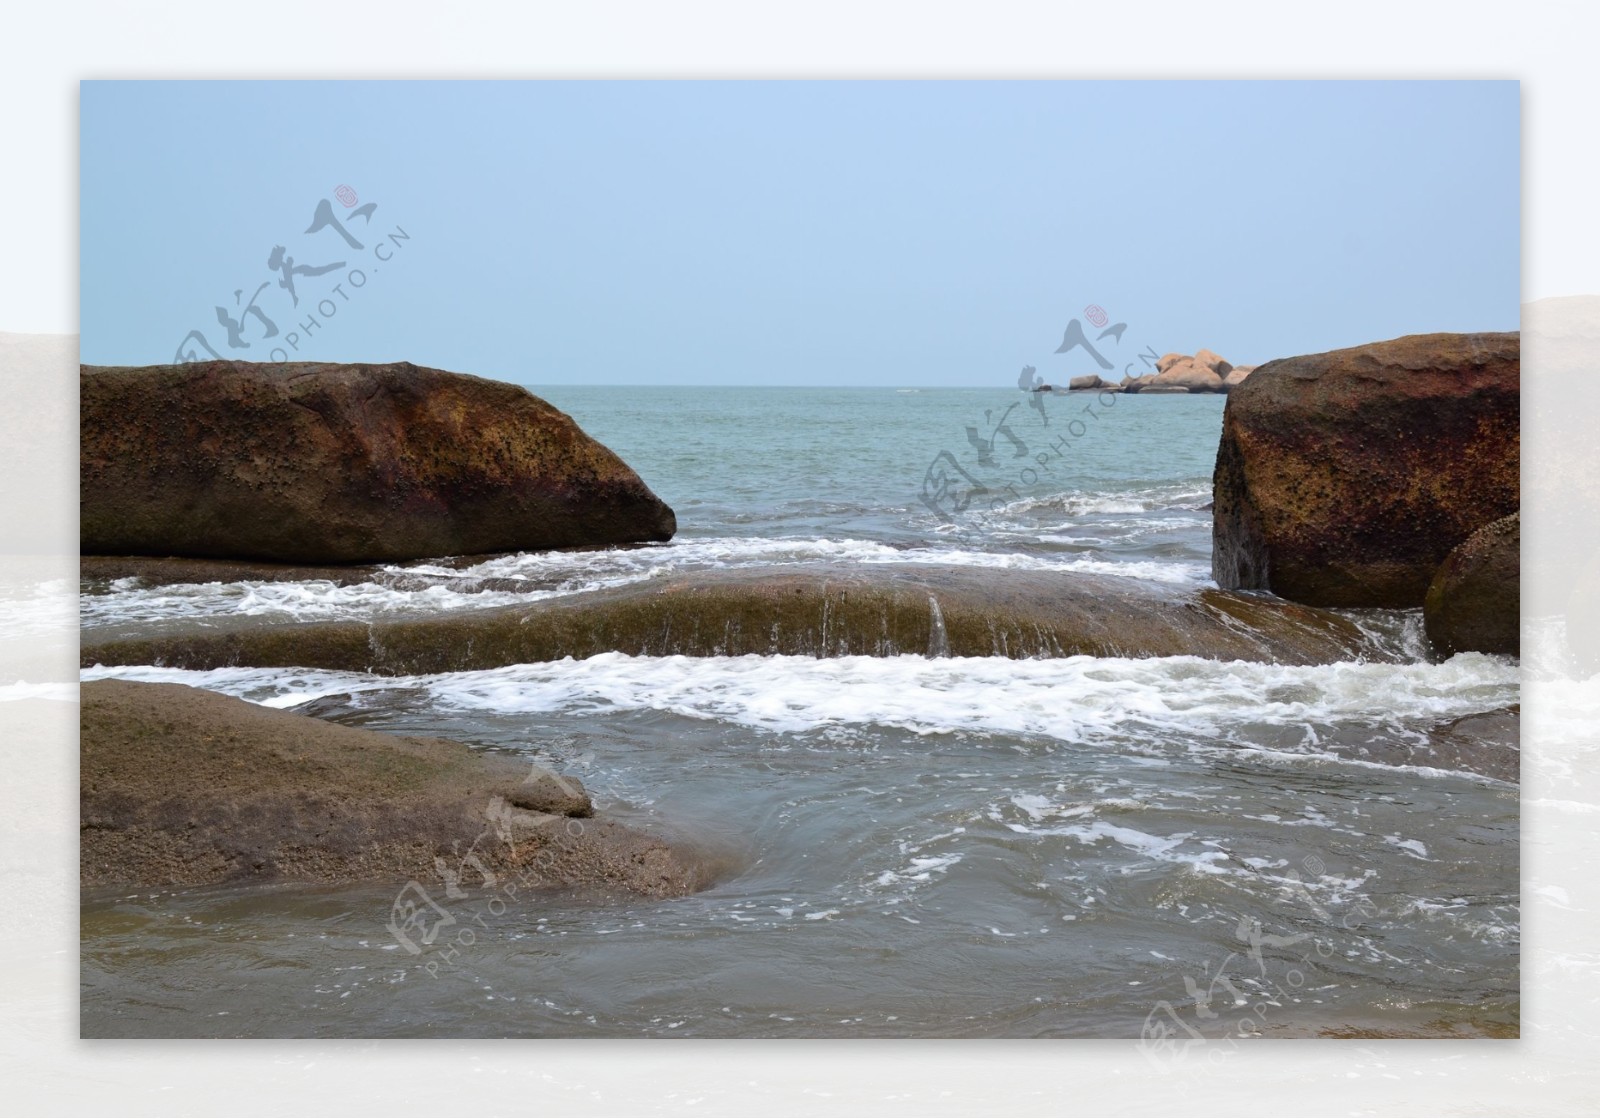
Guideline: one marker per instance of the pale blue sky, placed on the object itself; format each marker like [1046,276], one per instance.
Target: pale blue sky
[831,233]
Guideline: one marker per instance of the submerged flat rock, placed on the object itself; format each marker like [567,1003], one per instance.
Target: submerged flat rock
[804,610]
[184,787]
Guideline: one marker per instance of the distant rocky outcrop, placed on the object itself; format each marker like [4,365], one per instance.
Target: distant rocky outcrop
[1204,372]
[327,463]
[1190,374]
[1474,601]
[1346,478]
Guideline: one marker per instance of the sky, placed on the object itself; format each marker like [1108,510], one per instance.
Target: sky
[790,233]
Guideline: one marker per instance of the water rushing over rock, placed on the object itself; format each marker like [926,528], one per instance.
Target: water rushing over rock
[820,611]
[938,637]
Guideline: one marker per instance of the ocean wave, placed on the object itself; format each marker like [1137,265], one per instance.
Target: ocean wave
[433,588]
[1187,495]
[1073,699]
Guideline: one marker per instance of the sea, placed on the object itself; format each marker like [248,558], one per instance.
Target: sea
[1177,849]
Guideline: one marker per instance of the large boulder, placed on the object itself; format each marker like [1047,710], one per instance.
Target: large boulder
[1345,478]
[325,463]
[1087,381]
[1474,601]
[1236,377]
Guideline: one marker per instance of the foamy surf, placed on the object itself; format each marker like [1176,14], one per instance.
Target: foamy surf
[1070,699]
[523,578]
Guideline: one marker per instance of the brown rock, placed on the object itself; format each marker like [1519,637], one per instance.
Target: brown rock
[1191,375]
[1474,601]
[1087,381]
[180,786]
[1345,478]
[813,610]
[324,463]
[1236,377]
[1214,362]
[1167,361]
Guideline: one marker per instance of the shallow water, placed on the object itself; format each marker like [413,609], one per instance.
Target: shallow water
[909,846]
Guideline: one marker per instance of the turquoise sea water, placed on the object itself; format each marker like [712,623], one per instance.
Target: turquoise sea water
[755,461]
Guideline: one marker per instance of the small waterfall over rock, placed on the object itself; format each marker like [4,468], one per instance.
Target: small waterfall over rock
[938,640]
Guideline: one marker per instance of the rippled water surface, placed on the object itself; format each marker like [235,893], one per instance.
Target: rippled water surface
[910,846]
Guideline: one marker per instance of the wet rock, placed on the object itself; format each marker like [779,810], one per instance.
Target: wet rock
[177,571]
[1474,601]
[1345,478]
[812,610]
[1489,743]
[339,464]
[180,786]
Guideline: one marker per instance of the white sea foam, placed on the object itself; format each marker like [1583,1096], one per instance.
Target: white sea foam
[1171,495]
[269,687]
[1072,699]
[530,577]
[1161,848]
